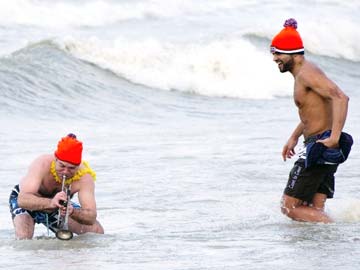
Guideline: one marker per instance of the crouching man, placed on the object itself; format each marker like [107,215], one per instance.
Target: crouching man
[39,196]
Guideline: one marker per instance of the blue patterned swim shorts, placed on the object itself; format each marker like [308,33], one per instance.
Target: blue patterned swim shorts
[47,219]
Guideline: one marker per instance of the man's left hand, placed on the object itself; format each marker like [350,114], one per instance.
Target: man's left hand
[329,142]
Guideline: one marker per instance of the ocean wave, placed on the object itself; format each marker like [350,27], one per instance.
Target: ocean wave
[43,81]
[322,35]
[222,68]
[235,68]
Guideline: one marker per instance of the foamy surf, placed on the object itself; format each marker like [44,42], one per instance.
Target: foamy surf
[222,68]
[345,210]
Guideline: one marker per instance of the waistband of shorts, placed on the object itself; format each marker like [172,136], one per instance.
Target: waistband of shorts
[310,139]
[313,138]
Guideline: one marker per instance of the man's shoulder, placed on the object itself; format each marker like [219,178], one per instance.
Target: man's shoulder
[310,68]
[309,74]
[38,171]
[45,158]
[42,161]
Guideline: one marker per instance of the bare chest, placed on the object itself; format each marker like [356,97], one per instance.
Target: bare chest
[300,95]
[49,187]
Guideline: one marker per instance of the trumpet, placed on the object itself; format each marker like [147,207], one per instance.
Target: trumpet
[63,232]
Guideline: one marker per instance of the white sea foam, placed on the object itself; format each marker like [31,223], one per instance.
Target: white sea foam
[229,68]
[346,210]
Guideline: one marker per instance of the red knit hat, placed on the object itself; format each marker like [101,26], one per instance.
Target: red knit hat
[287,40]
[69,149]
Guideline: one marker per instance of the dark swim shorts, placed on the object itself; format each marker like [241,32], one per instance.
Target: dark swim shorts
[47,219]
[304,182]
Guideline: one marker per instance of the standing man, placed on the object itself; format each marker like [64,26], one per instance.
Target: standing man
[322,110]
[39,195]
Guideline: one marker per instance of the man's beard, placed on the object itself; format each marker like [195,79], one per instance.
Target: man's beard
[286,66]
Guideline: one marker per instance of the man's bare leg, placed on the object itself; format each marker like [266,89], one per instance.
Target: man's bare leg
[78,228]
[294,209]
[319,201]
[24,226]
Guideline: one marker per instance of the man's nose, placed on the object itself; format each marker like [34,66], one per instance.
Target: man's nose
[66,170]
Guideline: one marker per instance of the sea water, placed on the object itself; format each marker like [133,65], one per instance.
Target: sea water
[183,116]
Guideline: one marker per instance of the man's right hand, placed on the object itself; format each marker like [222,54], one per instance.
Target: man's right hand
[58,199]
[289,148]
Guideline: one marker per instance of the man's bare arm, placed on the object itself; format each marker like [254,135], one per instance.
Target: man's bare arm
[288,149]
[87,213]
[323,86]
[29,197]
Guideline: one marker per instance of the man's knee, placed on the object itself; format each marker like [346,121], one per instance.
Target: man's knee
[98,228]
[24,226]
[288,205]
[78,228]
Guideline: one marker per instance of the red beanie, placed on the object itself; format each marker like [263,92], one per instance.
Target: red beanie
[69,149]
[287,40]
